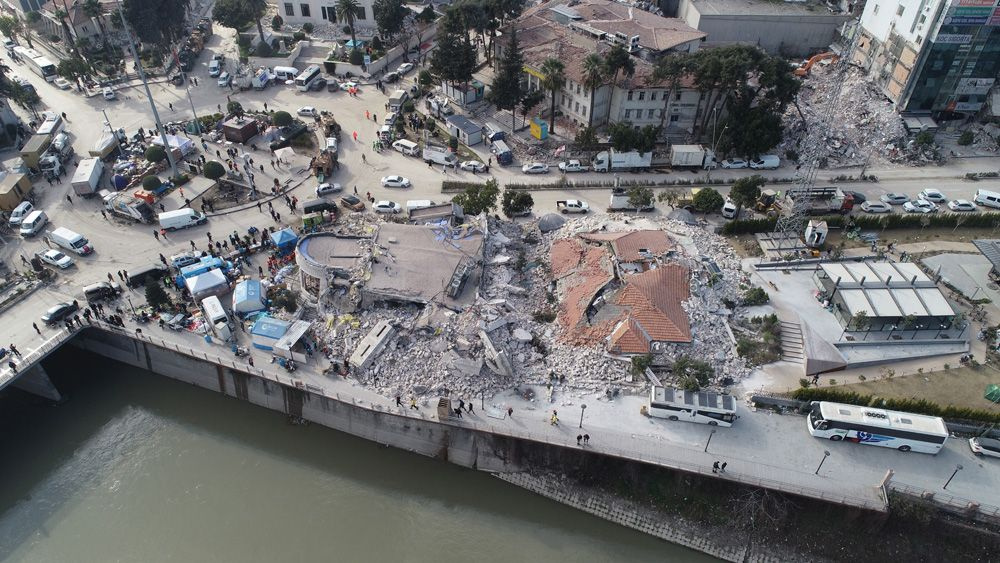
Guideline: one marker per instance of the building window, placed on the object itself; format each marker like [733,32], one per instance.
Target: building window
[629,97]
[652,96]
[923,18]
[361,13]
[661,114]
[576,107]
[675,118]
[584,110]
[650,113]
[577,88]
[628,112]
[304,8]
[900,10]
[919,40]
[289,9]
[677,97]
[642,95]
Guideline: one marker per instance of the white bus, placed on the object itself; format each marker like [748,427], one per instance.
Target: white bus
[37,63]
[692,406]
[877,427]
[305,78]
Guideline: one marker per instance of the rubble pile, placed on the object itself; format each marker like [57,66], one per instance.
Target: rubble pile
[986,137]
[863,123]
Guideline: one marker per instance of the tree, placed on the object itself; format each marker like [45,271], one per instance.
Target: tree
[425,78]
[277,22]
[156,154]
[593,78]
[281,118]
[390,15]
[529,102]
[214,170]
[746,191]
[151,183]
[506,91]
[586,139]
[72,68]
[708,200]
[158,22]
[670,69]
[234,108]
[156,296]
[617,61]
[640,197]
[239,14]
[692,374]
[860,321]
[480,198]
[624,137]
[454,57]
[427,15]
[554,78]
[347,11]
[750,131]
[62,15]
[94,10]
[516,203]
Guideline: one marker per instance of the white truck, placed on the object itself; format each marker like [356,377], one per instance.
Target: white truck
[572,166]
[572,206]
[397,100]
[129,207]
[606,161]
[217,318]
[181,219]
[87,177]
[71,241]
[692,156]
[619,202]
[439,155]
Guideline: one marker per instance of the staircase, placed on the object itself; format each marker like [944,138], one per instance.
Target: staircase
[791,342]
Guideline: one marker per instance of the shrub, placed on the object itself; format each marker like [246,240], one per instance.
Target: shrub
[640,363]
[546,316]
[298,36]
[286,300]
[755,296]
[214,170]
[708,200]
[156,154]
[307,27]
[803,382]
[234,108]
[925,138]
[356,57]
[156,296]
[966,138]
[180,179]
[408,107]
[453,143]
[151,183]
[281,118]
[277,22]
[263,50]
[693,374]
[919,406]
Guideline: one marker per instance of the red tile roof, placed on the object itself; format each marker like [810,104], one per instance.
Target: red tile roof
[627,245]
[655,313]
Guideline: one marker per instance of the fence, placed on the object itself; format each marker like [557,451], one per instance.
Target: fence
[949,502]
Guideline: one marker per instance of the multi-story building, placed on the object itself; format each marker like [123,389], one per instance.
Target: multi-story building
[21,7]
[298,12]
[931,56]
[570,34]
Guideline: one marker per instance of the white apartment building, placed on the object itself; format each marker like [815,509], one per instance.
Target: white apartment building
[316,12]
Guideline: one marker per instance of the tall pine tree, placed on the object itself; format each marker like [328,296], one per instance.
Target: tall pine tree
[506,91]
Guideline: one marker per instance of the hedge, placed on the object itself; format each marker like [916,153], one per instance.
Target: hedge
[919,406]
[877,222]
[449,186]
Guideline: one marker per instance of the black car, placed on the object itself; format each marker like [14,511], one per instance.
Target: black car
[391,77]
[859,197]
[59,312]
[318,84]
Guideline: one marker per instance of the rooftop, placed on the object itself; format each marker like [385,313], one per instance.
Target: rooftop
[635,246]
[762,8]
[654,313]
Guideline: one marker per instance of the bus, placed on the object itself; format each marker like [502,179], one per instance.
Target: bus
[37,63]
[692,406]
[305,78]
[877,427]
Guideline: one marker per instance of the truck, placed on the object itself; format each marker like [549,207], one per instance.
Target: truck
[33,150]
[823,201]
[87,177]
[397,99]
[439,155]
[52,124]
[217,318]
[129,207]
[62,145]
[71,241]
[692,156]
[606,161]
[619,202]
[572,206]
[572,166]
[51,164]
[181,219]
[108,143]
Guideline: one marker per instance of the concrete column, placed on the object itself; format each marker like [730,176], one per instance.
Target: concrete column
[36,381]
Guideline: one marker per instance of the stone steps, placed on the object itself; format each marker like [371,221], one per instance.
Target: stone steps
[791,342]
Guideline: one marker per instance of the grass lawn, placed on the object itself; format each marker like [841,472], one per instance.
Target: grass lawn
[959,386]
[905,236]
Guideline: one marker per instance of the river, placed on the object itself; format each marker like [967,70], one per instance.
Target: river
[136,467]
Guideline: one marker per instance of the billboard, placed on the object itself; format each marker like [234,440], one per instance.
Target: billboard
[974,86]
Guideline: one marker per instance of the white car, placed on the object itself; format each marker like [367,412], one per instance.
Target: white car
[961,205]
[535,168]
[225,79]
[331,144]
[109,93]
[328,188]
[895,198]
[984,447]
[404,68]
[395,182]
[348,85]
[734,163]
[932,195]
[308,110]
[62,83]
[473,166]
[919,206]
[876,207]
[55,258]
[572,166]
[387,207]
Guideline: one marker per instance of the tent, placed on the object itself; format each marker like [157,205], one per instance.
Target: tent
[551,222]
[992,393]
[293,344]
[284,240]
[119,182]
[183,144]
[285,154]
[267,331]
[248,297]
[212,282]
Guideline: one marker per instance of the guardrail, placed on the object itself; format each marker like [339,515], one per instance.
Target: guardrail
[27,361]
[949,502]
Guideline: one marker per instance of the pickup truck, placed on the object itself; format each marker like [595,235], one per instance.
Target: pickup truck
[572,206]
[572,166]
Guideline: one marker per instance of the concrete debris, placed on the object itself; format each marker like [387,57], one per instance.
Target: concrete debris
[522,335]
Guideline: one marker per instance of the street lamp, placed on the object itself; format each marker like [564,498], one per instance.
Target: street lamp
[582,408]
[710,434]
[953,473]
[129,299]
[826,454]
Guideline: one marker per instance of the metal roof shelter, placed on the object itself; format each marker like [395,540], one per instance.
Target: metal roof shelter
[991,250]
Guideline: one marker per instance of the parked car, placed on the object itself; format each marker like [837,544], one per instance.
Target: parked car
[766,162]
[352,202]
[572,166]
[404,68]
[317,85]
[932,195]
[328,188]
[391,77]
[961,205]
[385,206]
[734,163]
[59,312]
[985,447]
[109,93]
[62,83]
[876,207]
[395,182]
[225,79]
[859,197]
[308,111]
[473,166]
[535,168]
[55,258]
[893,198]
[919,206]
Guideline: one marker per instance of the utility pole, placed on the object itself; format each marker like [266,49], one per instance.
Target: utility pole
[149,95]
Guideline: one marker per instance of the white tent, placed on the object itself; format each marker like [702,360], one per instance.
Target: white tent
[285,154]
[248,297]
[183,144]
[212,282]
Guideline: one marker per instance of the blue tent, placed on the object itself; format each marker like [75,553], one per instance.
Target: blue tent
[284,240]
[350,44]
[266,331]
[119,182]
[248,297]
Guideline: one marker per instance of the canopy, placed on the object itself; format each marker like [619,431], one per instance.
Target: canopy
[551,222]
[211,282]
[284,154]
[284,239]
[248,297]
[992,393]
[183,144]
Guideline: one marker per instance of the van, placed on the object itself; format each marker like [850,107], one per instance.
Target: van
[415,204]
[384,133]
[72,241]
[729,210]
[22,210]
[502,151]
[285,73]
[101,290]
[138,276]
[214,68]
[217,317]
[406,147]
[766,162]
[181,219]
[33,223]
[493,132]
[390,119]
[987,198]
[318,205]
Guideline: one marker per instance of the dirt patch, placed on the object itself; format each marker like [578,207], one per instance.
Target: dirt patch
[909,236]
[959,386]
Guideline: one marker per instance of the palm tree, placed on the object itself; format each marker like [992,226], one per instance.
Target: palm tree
[346,11]
[93,10]
[62,15]
[555,78]
[593,78]
[670,69]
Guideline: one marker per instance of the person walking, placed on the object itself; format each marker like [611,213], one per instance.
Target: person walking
[510,412]
[38,330]
[722,468]
[250,360]
[69,199]
[715,467]
[461,403]
[156,234]
[586,439]
[14,350]
[579,437]
[12,365]
[105,215]
[413,404]
[470,407]
[399,402]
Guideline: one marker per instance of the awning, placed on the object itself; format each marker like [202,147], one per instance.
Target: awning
[292,335]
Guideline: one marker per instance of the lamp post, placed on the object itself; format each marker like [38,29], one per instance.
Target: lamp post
[710,434]
[826,454]
[583,407]
[953,473]
[130,306]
